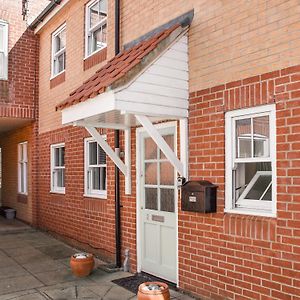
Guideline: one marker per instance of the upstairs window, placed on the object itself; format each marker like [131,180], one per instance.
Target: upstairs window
[58,168]
[22,168]
[59,50]
[95,169]
[96,26]
[3,50]
[251,160]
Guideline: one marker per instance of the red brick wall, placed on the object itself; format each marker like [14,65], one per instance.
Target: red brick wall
[238,256]
[17,94]
[86,220]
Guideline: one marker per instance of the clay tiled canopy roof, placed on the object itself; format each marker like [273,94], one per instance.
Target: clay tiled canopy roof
[124,67]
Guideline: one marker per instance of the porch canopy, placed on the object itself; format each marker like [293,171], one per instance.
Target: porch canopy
[144,84]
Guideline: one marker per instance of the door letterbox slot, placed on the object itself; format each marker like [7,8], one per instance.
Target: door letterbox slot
[199,196]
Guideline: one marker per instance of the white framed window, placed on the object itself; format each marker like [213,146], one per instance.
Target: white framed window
[251,161]
[95,169]
[58,168]
[58,60]
[3,50]
[22,168]
[95,26]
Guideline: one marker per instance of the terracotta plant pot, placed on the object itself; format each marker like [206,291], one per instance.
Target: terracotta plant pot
[82,264]
[153,291]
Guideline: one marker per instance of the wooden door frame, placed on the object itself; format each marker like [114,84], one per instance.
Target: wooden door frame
[139,131]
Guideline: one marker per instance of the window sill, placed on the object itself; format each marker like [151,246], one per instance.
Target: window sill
[22,194]
[57,79]
[58,192]
[244,211]
[96,196]
[95,58]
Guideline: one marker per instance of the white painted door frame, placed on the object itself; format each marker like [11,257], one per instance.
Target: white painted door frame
[139,240]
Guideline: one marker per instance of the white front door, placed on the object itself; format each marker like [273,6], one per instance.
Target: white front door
[158,207]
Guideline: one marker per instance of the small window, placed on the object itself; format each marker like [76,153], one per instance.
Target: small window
[95,169]
[3,49]
[251,160]
[96,26]
[59,50]
[58,168]
[22,168]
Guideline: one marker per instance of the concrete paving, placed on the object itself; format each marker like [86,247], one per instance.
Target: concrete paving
[34,266]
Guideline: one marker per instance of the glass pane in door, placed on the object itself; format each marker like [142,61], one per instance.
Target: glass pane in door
[167,200]
[151,198]
[166,173]
[150,149]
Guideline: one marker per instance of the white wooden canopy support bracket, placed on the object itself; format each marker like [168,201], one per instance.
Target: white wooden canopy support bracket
[125,168]
[161,143]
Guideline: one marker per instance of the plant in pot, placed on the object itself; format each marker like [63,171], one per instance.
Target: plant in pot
[82,264]
[153,291]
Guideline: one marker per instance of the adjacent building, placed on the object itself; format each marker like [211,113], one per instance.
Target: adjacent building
[129,100]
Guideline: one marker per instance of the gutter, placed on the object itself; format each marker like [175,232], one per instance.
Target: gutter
[47,10]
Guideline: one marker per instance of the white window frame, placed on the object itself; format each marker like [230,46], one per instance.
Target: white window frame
[4,51]
[22,180]
[88,192]
[55,55]
[260,208]
[53,168]
[89,31]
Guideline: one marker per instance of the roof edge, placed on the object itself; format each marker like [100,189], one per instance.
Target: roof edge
[184,20]
[45,12]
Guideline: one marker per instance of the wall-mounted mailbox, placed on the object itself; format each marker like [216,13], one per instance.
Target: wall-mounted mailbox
[199,196]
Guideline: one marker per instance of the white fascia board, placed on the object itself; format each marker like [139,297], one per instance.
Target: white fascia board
[100,104]
[151,110]
[51,15]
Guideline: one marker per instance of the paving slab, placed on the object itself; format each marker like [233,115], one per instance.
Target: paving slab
[16,284]
[17,294]
[41,266]
[57,251]
[15,271]
[57,276]
[117,292]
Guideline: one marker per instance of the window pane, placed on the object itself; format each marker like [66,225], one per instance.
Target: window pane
[60,178]
[167,200]
[101,156]
[261,136]
[60,41]
[151,198]
[92,153]
[56,157]
[151,173]
[1,38]
[259,187]
[1,64]
[98,12]
[268,194]
[96,178]
[62,156]
[243,138]
[150,149]
[103,178]
[244,174]
[99,38]
[166,173]
[22,178]
[170,141]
